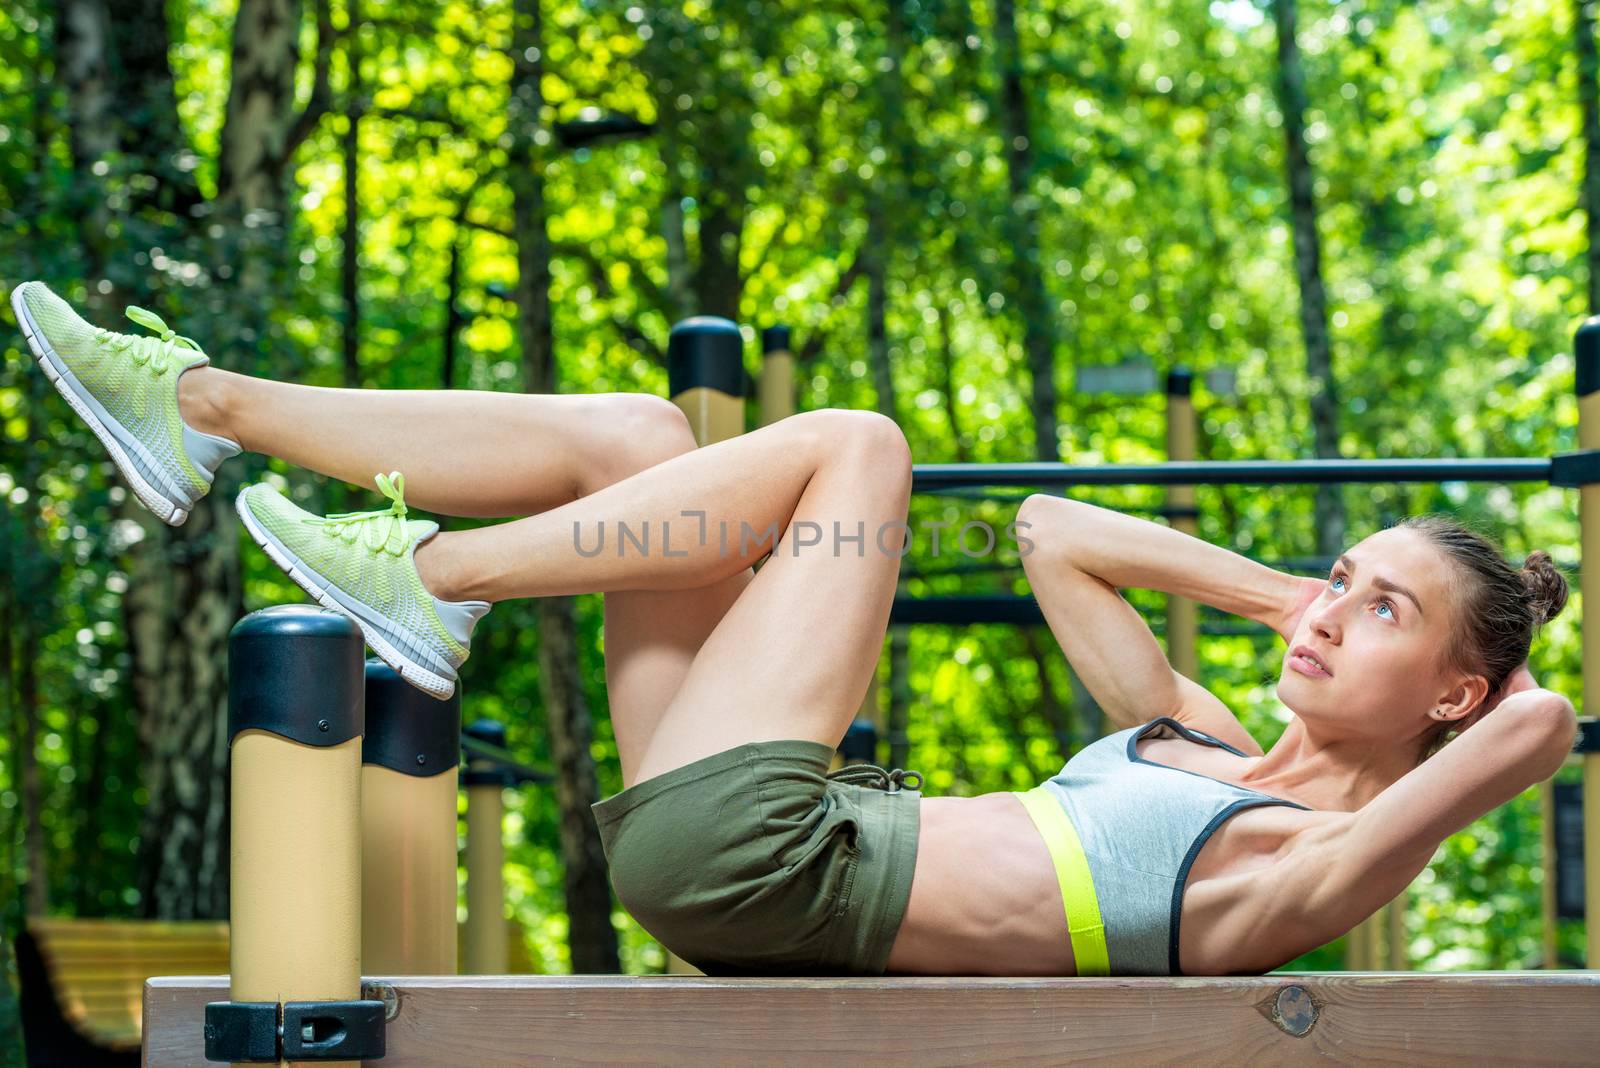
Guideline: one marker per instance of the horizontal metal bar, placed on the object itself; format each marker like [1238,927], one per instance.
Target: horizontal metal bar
[504,759]
[964,609]
[1573,467]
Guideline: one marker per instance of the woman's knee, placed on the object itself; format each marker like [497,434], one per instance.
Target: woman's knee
[641,430]
[861,436]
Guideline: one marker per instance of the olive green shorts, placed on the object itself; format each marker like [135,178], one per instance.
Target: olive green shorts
[757,861]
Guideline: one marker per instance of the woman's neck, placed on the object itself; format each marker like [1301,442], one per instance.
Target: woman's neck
[1333,774]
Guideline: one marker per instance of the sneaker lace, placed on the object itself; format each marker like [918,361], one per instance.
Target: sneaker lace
[382,531]
[157,352]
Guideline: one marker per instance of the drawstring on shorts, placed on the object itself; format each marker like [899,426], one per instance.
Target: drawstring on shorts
[876,778]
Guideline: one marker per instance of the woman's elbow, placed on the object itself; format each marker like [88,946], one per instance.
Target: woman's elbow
[1045,529]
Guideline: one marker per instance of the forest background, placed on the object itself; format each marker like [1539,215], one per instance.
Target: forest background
[1379,216]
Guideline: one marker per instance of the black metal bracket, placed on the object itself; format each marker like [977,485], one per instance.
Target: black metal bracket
[252,1032]
[1571,469]
[1588,740]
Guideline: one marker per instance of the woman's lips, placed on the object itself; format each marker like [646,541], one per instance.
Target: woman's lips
[1307,667]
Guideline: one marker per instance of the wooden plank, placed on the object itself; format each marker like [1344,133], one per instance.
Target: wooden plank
[1401,1018]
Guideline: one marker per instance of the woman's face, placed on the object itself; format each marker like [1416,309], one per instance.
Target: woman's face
[1379,629]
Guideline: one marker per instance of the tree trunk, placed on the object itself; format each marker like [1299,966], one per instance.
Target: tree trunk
[946,364]
[680,288]
[183,597]
[83,68]
[591,936]
[37,897]
[706,153]
[33,580]
[875,256]
[260,115]
[10,721]
[1330,514]
[349,267]
[89,756]
[452,313]
[886,195]
[147,101]
[1589,99]
[718,283]
[184,592]
[1022,228]
[899,694]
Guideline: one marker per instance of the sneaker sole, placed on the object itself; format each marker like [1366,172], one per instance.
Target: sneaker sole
[317,587]
[158,500]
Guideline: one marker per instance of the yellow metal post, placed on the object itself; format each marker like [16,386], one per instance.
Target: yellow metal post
[777,375]
[409,783]
[1586,347]
[706,376]
[295,720]
[486,929]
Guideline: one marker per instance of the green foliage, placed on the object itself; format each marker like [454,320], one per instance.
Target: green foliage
[1446,145]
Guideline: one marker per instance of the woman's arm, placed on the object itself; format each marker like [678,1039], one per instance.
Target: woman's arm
[1128,551]
[1081,554]
[1334,882]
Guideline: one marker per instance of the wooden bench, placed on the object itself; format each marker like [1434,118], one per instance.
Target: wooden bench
[1520,1018]
[83,981]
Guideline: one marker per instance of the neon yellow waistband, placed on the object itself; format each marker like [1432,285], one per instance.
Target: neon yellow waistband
[1084,926]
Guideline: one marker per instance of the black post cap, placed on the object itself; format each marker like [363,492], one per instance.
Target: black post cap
[407,730]
[706,351]
[860,743]
[295,670]
[483,770]
[487,730]
[1180,382]
[775,339]
[1586,347]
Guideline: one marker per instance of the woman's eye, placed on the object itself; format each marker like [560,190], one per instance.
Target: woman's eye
[1390,607]
[1336,578]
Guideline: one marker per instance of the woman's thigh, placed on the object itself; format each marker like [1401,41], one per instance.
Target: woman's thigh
[795,652]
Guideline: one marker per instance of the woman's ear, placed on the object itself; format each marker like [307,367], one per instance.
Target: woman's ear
[1463,704]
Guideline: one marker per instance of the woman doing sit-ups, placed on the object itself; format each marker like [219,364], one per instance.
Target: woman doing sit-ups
[1174,845]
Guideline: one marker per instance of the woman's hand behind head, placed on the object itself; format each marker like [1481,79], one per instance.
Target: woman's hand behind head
[1299,598]
[1519,681]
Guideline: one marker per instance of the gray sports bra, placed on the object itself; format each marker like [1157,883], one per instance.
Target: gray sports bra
[1141,825]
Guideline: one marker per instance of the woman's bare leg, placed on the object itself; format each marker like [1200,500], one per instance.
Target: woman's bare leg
[464,452]
[491,454]
[796,650]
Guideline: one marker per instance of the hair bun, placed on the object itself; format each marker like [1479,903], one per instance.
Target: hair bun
[1546,586]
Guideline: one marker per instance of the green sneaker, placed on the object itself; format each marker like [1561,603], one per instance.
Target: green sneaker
[360,563]
[126,388]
